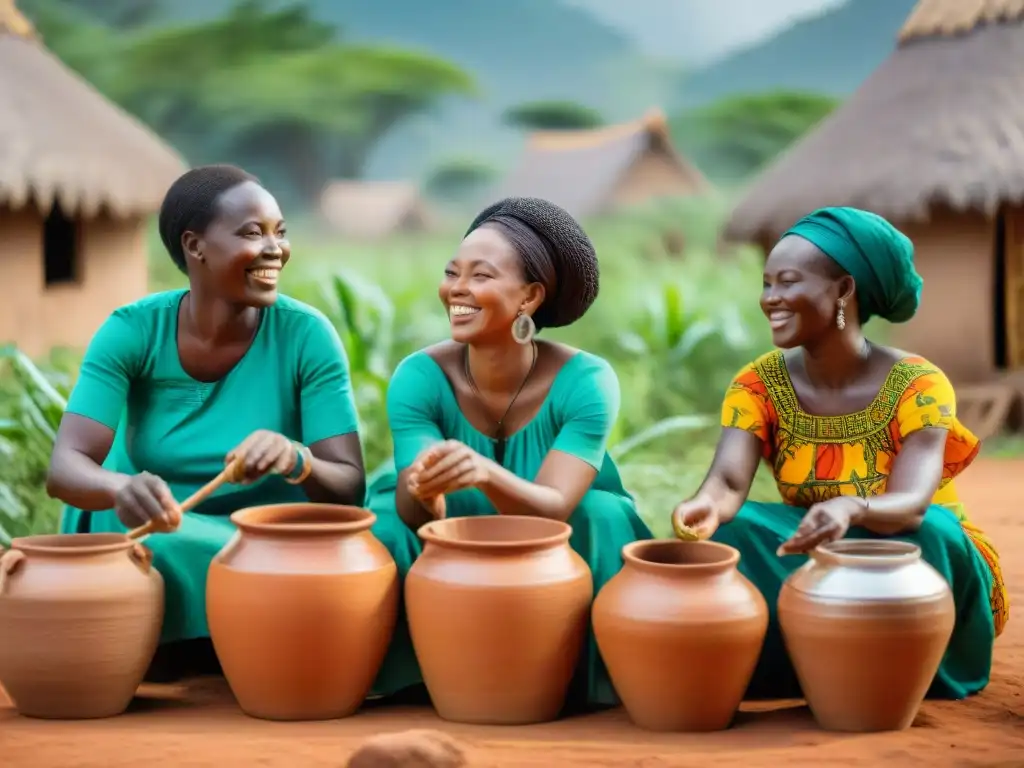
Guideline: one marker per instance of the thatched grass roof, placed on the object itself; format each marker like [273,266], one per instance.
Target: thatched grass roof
[579,169]
[373,209]
[940,123]
[60,139]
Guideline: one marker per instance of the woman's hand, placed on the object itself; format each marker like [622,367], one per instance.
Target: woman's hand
[146,497]
[825,522]
[696,519]
[445,468]
[265,452]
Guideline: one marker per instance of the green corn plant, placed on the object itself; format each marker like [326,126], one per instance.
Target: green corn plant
[31,405]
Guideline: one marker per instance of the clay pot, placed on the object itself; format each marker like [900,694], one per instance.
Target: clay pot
[80,618]
[866,624]
[498,608]
[301,604]
[680,631]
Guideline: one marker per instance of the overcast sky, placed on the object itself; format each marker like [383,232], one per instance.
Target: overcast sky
[707,29]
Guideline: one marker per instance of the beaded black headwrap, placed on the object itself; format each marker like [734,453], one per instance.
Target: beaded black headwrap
[191,204]
[566,265]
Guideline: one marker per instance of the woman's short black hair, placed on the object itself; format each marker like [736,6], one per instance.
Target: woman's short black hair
[191,204]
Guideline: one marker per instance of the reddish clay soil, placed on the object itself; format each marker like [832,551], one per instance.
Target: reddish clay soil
[199,725]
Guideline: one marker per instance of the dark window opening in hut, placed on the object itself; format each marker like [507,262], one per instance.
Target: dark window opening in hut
[999,317]
[60,248]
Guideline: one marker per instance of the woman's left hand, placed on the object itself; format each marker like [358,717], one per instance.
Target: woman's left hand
[265,452]
[825,522]
[449,467]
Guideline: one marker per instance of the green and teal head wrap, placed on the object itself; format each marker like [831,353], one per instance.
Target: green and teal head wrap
[878,256]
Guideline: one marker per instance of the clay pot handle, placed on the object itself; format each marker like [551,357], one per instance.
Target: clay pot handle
[142,557]
[10,560]
[232,473]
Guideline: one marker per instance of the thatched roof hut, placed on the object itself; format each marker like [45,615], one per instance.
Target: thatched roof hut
[61,139]
[78,176]
[368,210]
[939,123]
[590,172]
[934,141]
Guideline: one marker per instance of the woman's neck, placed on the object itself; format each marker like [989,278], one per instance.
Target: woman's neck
[500,368]
[213,320]
[837,361]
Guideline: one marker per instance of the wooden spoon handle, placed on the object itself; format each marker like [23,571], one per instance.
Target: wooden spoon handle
[232,473]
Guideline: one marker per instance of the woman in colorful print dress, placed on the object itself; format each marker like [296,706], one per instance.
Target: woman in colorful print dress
[862,440]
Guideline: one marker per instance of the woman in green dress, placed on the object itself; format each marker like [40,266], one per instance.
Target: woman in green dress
[863,441]
[177,382]
[496,421]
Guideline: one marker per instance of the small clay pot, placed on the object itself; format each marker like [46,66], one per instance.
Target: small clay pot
[680,631]
[498,608]
[301,605]
[80,618]
[866,624]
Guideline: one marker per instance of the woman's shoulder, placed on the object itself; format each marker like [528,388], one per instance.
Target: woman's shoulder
[294,312]
[910,370]
[151,304]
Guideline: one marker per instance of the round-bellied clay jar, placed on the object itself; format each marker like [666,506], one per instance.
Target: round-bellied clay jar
[301,605]
[80,618]
[680,631]
[498,608]
[866,624]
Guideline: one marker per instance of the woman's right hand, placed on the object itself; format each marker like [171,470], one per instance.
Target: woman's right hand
[146,497]
[435,505]
[696,519]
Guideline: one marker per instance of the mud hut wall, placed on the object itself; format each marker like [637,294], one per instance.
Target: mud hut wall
[111,270]
[955,326]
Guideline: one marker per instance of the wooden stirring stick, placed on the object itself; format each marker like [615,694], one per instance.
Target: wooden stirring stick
[232,473]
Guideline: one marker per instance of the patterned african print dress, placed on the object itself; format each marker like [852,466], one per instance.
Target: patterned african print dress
[815,458]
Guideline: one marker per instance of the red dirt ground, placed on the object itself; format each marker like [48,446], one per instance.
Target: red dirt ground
[199,724]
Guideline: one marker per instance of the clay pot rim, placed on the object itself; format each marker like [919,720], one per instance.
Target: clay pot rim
[272,519]
[434,533]
[73,544]
[867,553]
[728,557]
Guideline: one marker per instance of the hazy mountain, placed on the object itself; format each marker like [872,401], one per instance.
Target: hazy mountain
[831,53]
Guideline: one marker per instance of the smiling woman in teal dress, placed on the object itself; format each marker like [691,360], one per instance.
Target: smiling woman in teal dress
[178,381]
[496,421]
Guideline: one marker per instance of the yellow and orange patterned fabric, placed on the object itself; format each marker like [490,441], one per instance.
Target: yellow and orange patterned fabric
[814,458]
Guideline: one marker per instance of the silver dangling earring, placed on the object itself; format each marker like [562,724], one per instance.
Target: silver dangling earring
[523,328]
[841,315]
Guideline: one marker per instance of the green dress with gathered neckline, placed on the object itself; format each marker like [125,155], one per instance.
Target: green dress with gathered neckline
[294,380]
[576,418]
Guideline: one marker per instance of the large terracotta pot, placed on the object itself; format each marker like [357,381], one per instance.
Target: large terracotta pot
[680,631]
[301,605]
[866,624]
[498,608]
[80,618]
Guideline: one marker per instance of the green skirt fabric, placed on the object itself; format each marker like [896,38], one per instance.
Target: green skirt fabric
[758,530]
[602,525]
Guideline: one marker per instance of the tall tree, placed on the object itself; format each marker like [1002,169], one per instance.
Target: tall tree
[738,136]
[552,115]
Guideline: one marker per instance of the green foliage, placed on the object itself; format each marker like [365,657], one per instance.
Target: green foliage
[552,116]
[31,405]
[269,87]
[460,179]
[737,136]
